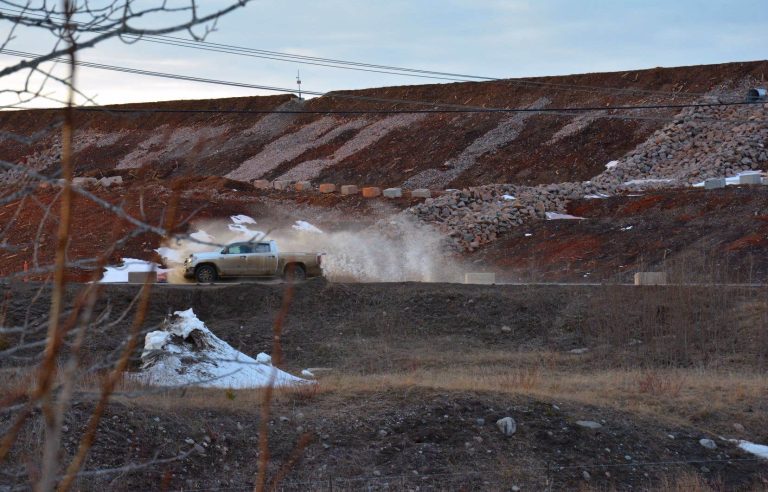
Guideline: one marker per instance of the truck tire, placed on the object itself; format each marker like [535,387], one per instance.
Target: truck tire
[205,274]
[294,273]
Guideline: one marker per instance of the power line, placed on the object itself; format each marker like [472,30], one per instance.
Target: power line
[367,67]
[455,108]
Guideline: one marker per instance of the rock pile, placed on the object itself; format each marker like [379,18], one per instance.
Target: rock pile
[700,143]
[477,216]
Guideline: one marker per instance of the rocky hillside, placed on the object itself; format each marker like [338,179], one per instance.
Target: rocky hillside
[435,150]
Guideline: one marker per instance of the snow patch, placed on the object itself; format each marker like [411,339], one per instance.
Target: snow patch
[760,450]
[115,274]
[242,219]
[187,353]
[304,226]
[732,181]
[651,181]
[557,216]
[169,254]
[202,236]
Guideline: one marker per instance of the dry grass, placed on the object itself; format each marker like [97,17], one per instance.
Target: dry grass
[681,397]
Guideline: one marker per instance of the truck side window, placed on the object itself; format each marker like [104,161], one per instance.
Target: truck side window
[262,248]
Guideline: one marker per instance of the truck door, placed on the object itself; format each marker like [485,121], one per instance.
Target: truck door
[263,261]
[234,259]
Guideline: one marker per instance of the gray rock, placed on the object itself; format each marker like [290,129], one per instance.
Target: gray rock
[589,424]
[708,443]
[507,426]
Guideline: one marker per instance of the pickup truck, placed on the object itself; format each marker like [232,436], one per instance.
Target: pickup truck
[252,259]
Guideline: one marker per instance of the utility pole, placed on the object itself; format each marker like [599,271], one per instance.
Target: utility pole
[298,81]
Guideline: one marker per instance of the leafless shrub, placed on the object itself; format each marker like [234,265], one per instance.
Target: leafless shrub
[51,389]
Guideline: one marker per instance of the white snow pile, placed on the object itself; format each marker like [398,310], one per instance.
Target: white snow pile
[760,450]
[242,219]
[202,236]
[240,225]
[557,216]
[305,226]
[114,274]
[169,254]
[732,181]
[187,353]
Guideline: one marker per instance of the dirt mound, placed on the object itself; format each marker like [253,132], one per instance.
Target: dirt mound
[438,149]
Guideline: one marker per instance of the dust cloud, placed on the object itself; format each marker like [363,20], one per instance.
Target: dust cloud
[397,249]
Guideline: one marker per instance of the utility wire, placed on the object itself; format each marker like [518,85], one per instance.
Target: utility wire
[360,66]
[454,108]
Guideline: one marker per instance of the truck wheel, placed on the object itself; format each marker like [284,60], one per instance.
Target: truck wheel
[205,274]
[295,273]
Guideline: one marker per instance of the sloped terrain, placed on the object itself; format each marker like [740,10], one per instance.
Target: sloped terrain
[428,149]
[513,169]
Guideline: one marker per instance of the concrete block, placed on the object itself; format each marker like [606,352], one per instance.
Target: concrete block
[371,192]
[83,181]
[262,184]
[141,277]
[349,190]
[714,183]
[302,186]
[281,184]
[480,278]
[651,278]
[421,193]
[106,182]
[327,188]
[393,192]
[750,179]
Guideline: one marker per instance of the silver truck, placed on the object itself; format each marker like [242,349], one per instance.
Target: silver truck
[252,259]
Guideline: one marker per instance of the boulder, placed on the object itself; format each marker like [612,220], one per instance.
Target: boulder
[507,426]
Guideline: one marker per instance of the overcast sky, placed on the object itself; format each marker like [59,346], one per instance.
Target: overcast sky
[492,38]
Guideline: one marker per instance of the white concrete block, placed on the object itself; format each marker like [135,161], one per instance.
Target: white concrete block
[651,278]
[421,193]
[281,184]
[303,186]
[714,183]
[750,179]
[393,192]
[141,277]
[482,278]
